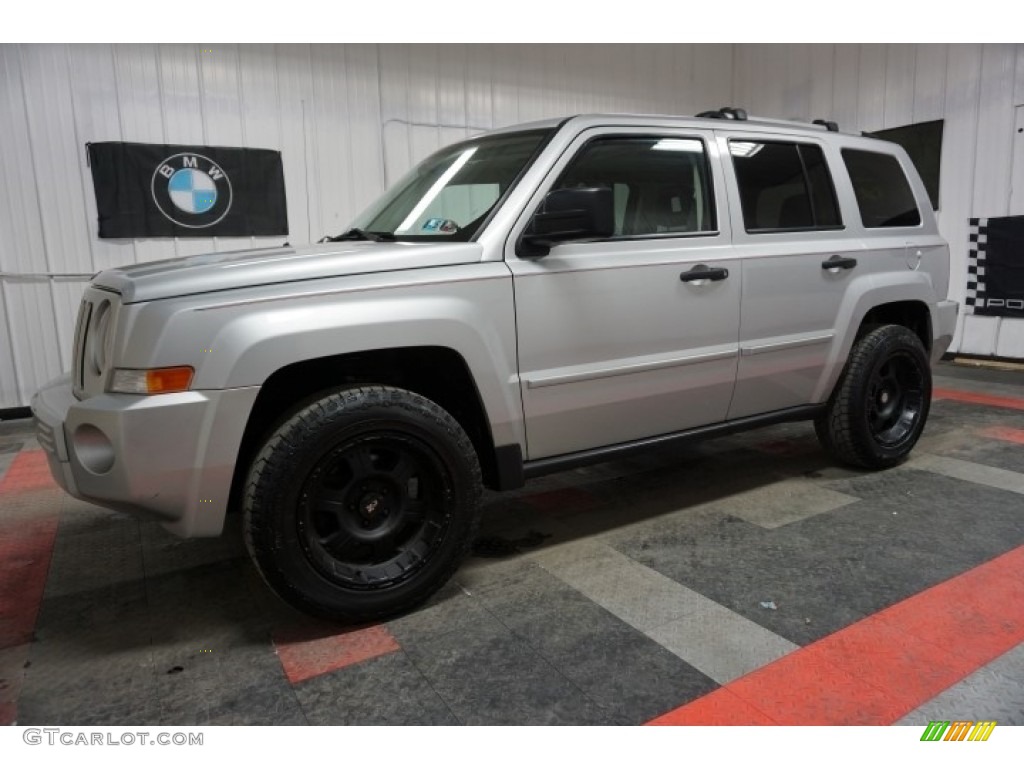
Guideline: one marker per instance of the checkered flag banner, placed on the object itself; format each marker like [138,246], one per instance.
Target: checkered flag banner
[978,240]
[995,267]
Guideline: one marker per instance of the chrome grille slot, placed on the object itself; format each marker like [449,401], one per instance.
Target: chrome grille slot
[78,350]
[97,322]
[45,437]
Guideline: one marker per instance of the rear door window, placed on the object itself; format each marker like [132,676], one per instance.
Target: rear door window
[784,186]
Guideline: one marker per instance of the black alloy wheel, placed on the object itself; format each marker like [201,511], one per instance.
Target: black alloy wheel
[895,399]
[372,510]
[362,503]
[880,405]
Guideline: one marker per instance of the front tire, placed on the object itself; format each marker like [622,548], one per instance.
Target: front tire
[880,406]
[362,504]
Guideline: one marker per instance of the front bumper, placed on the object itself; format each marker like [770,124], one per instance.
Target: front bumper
[171,457]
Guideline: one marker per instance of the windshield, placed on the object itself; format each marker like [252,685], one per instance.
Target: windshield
[450,194]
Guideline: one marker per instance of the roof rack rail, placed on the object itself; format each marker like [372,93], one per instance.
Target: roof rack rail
[725,113]
[830,125]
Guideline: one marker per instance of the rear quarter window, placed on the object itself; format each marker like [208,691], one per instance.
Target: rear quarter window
[883,192]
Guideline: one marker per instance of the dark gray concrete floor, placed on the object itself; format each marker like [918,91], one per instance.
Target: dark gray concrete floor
[658,580]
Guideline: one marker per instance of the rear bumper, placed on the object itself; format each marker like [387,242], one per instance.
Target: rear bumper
[171,457]
[945,312]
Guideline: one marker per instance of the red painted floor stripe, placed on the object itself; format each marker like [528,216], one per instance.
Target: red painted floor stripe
[26,545]
[1007,434]
[312,651]
[28,472]
[720,707]
[999,401]
[878,669]
[25,548]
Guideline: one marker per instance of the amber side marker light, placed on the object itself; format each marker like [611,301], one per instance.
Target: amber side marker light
[155,381]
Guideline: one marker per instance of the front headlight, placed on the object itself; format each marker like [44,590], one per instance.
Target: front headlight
[154,381]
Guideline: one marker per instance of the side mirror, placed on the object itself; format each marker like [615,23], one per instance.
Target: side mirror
[567,215]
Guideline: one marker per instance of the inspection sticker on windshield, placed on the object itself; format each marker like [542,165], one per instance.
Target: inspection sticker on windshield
[446,226]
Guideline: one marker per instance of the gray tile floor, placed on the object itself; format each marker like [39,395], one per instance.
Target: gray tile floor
[658,580]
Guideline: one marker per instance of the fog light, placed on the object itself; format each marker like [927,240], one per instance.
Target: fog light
[93,449]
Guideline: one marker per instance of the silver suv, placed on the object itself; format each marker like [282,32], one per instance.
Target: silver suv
[529,300]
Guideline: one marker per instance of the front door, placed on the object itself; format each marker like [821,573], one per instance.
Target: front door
[634,336]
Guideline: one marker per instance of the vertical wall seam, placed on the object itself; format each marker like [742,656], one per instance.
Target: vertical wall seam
[240,92]
[977,127]
[197,51]
[161,100]
[18,388]
[913,93]
[945,78]
[491,50]
[33,164]
[350,87]
[120,122]
[23,386]
[315,141]
[856,89]
[832,83]
[277,100]
[82,175]
[305,157]
[381,163]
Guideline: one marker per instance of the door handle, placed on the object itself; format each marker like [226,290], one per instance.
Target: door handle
[703,272]
[839,262]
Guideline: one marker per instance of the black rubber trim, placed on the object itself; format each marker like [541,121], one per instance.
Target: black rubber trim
[10,414]
[508,464]
[546,466]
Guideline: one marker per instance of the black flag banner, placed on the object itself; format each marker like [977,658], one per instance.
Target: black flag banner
[995,267]
[170,190]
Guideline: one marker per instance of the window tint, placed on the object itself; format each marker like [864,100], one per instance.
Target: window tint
[661,186]
[784,186]
[882,190]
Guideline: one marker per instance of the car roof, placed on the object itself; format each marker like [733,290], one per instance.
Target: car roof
[751,123]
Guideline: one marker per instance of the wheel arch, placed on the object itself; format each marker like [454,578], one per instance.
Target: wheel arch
[913,314]
[437,373]
[906,300]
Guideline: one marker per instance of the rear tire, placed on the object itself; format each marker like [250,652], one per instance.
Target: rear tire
[362,504]
[879,408]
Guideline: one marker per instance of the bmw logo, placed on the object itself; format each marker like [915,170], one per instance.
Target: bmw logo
[191,190]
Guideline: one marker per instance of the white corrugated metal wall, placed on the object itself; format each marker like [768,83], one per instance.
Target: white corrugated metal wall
[349,118]
[345,117]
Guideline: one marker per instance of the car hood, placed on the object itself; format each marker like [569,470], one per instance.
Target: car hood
[266,266]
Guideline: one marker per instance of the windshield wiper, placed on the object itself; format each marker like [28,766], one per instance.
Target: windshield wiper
[359,234]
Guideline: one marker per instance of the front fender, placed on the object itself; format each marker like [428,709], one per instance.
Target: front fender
[247,336]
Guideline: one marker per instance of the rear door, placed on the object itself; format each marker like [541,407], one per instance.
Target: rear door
[798,259]
[619,340]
